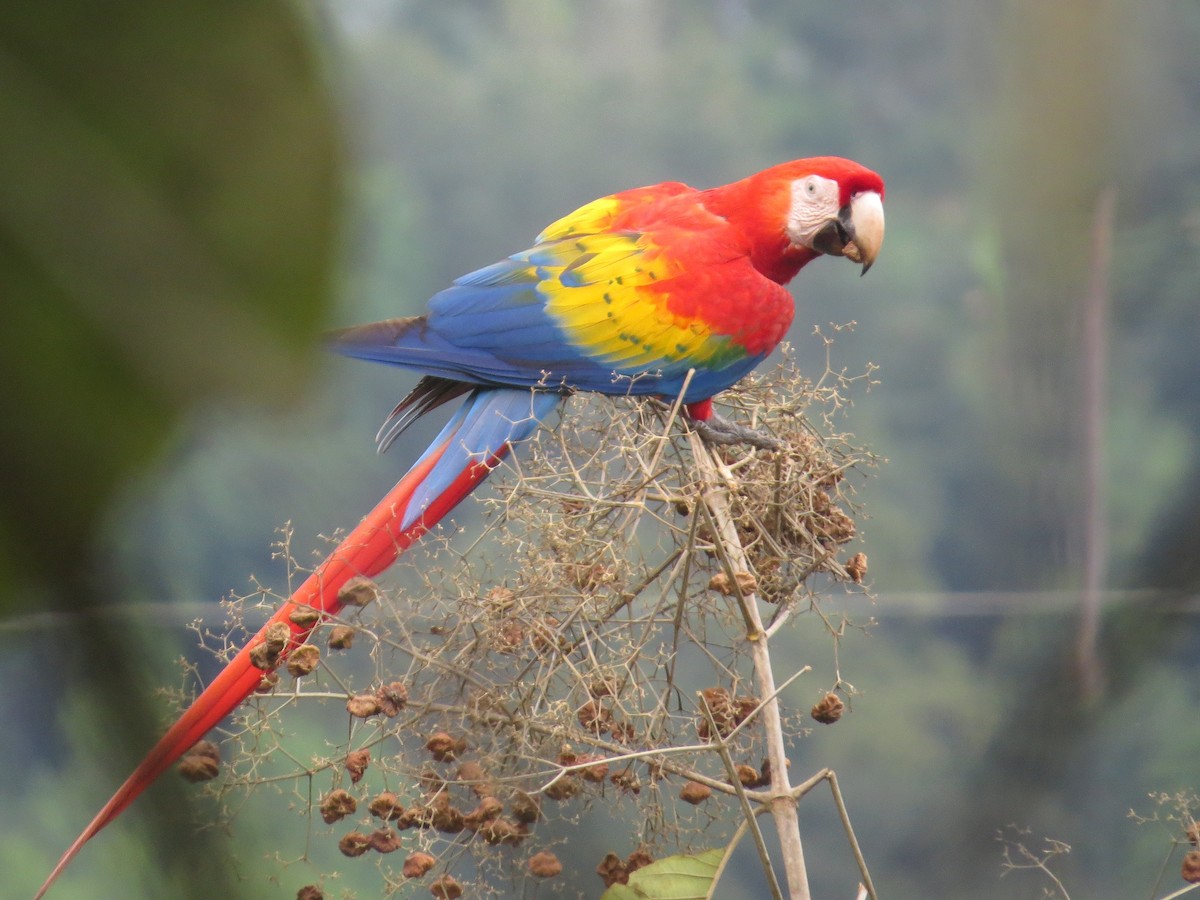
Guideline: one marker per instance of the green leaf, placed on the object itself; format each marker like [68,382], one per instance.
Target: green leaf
[673,878]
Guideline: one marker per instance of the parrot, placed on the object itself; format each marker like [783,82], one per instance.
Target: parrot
[667,291]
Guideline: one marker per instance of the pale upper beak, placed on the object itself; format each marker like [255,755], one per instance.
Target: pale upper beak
[856,232]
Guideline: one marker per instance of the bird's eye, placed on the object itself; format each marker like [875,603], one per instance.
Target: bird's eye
[810,187]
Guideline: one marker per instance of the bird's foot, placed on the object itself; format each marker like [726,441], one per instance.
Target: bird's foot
[716,429]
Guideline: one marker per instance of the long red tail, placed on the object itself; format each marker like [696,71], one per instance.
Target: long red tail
[468,448]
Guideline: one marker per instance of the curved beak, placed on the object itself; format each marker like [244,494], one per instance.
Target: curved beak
[856,232]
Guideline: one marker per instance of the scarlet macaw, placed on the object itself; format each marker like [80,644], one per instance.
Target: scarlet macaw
[626,295]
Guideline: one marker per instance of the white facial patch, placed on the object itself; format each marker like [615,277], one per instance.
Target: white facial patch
[814,202]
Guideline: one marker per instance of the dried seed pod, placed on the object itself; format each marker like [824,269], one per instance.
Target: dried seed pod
[544,865]
[363,706]
[336,805]
[719,704]
[310,892]
[623,732]
[414,817]
[341,637]
[392,698]
[524,808]
[1193,834]
[627,781]
[201,763]
[500,598]
[744,708]
[446,818]
[502,831]
[434,786]
[743,583]
[605,686]
[358,592]
[564,788]
[509,637]
[594,717]
[266,655]
[545,636]
[828,710]
[473,773]
[856,567]
[303,660]
[1191,867]
[446,888]
[357,762]
[304,616]
[612,871]
[489,808]
[354,844]
[267,683]
[694,792]
[384,840]
[637,859]
[445,748]
[417,865]
[748,776]
[595,773]
[386,806]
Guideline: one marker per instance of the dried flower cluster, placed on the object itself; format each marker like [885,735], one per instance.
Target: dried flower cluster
[589,650]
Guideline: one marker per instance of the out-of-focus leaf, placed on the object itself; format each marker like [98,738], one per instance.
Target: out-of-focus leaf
[673,878]
[167,200]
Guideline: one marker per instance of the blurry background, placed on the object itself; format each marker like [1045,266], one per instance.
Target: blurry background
[189,193]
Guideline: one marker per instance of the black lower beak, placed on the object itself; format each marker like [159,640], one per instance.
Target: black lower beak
[835,234]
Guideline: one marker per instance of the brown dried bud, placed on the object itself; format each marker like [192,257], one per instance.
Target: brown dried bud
[829,710]
[445,748]
[743,708]
[544,865]
[337,805]
[624,732]
[694,792]
[489,808]
[392,698]
[201,763]
[354,844]
[357,592]
[303,660]
[446,888]
[564,788]
[357,762]
[594,717]
[637,859]
[545,635]
[509,637]
[417,865]
[835,527]
[473,774]
[266,655]
[589,577]
[594,773]
[362,706]
[502,831]
[627,781]
[304,616]
[524,808]
[1193,834]
[1191,867]
[446,818]
[310,892]
[267,683]
[386,806]
[341,637]
[719,705]
[384,840]
[748,776]
[414,817]
[500,598]
[612,871]
[603,687]
[743,583]
[856,567]
[434,786]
